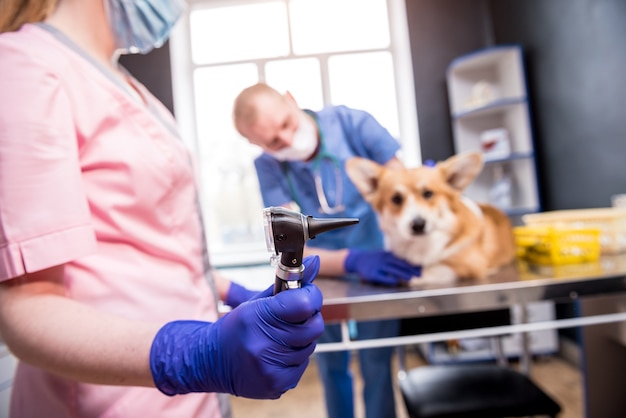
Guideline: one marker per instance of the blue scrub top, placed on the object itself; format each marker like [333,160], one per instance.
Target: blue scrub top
[346,133]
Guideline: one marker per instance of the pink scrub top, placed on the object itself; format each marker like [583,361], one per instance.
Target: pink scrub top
[93,177]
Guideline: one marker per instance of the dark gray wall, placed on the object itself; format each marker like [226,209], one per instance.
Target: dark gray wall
[576,70]
[439,31]
[154,71]
[576,65]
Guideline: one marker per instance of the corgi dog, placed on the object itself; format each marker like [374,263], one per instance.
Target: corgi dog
[427,221]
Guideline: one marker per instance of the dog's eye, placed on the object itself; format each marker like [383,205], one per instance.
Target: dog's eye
[397,199]
[427,194]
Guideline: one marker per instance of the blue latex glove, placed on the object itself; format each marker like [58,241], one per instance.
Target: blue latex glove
[258,350]
[237,294]
[380,267]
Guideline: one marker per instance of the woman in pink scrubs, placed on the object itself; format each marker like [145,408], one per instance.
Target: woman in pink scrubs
[101,241]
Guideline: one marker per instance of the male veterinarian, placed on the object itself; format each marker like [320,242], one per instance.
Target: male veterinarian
[303,163]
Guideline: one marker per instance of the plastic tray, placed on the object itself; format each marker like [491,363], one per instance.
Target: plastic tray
[610,221]
[557,245]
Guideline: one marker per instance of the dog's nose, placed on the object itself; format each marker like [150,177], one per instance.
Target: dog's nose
[417,226]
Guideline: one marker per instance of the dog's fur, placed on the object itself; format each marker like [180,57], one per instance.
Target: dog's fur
[426,220]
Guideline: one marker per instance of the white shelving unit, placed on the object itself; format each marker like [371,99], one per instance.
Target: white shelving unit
[487,91]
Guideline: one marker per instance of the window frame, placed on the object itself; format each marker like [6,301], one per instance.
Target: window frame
[183,68]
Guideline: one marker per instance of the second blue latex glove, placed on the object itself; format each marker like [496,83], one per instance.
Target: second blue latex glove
[237,294]
[380,267]
[258,350]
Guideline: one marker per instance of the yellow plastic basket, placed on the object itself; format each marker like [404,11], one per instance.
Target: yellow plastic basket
[610,221]
[557,245]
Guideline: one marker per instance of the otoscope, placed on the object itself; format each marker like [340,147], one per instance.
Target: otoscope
[286,232]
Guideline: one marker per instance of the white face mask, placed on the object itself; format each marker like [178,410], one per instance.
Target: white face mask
[303,145]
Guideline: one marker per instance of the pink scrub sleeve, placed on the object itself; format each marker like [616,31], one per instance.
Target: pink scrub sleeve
[44,215]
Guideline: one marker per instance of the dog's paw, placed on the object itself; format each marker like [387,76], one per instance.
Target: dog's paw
[434,276]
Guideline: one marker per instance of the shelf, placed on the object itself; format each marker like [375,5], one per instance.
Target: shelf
[521,211]
[541,342]
[495,107]
[490,113]
[514,156]
[519,168]
[513,117]
[481,59]
[486,76]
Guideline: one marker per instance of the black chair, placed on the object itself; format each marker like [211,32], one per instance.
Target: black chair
[471,390]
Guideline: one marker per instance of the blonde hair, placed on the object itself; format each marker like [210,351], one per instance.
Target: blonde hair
[245,107]
[17,12]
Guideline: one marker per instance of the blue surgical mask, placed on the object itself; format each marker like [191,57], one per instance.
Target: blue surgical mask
[141,25]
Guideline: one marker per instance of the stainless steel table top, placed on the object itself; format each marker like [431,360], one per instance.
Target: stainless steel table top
[520,283]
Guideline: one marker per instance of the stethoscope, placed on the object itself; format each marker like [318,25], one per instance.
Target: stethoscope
[323,154]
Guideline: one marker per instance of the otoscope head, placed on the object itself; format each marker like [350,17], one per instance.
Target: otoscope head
[319,225]
[286,232]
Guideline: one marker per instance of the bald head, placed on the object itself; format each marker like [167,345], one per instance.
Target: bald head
[246,108]
[267,118]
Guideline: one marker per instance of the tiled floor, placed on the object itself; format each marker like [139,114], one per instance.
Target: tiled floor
[555,376]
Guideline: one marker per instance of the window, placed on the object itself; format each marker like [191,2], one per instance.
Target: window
[351,52]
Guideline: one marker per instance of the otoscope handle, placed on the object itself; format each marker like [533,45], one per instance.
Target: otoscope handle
[287,278]
[280,285]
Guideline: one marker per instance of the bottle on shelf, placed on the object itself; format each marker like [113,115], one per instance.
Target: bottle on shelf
[500,192]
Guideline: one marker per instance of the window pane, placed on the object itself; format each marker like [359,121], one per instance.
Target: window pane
[215,89]
[300,77]
[366,81]
[239,32]
[230,191]
[338,25]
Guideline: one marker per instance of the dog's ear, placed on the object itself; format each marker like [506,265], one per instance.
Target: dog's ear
[364,174]
[461,170]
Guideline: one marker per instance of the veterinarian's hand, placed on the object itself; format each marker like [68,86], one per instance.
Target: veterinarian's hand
[258,350]
[380,267]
